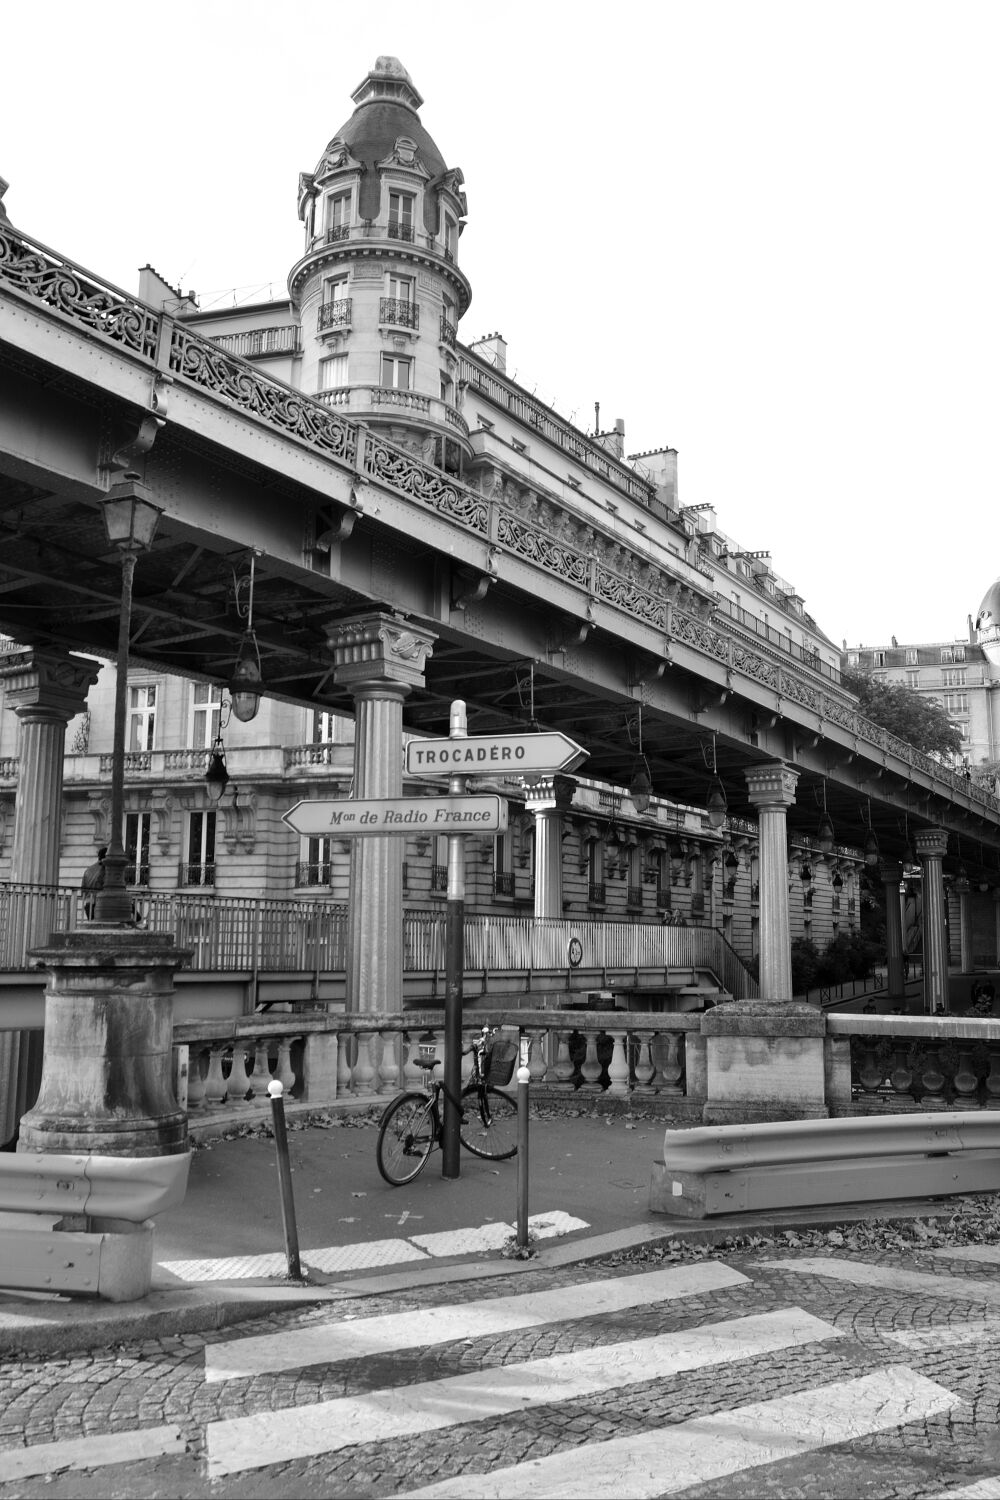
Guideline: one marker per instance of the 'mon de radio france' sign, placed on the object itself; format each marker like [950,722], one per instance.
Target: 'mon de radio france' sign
[348,818]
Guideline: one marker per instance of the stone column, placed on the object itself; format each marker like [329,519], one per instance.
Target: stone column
[379,657]
[892,874]
[772,791]
[45,689]
[547,801]
[931,844]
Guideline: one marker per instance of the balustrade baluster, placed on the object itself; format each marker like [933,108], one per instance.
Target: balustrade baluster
[618,1064]
[239,1082]
[565,1067]
[932,1080]
[901,1077]
[345,1053]
[537,1065]
[261,1075]
[965,1081]
[644,1070]
[870,1070]
[666,1051]
[388,1064]
[591,1068]
[413,1073]
[196,1077]
[993,1080]
[364,1068]
[284,1072]
[215,1083]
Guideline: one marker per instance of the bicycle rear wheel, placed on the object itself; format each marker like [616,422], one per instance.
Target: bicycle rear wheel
[405,1137]
[490,1125]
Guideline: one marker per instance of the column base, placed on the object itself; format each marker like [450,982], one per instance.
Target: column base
[107,1085]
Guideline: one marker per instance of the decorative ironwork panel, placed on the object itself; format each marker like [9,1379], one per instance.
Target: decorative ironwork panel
[338,232]
[448,334]
[408,474]
[699,635]
[541,547]
[399,231]
[206,365]
[757,667]
[627,595]
[839,713]
[63,286]
[802,692]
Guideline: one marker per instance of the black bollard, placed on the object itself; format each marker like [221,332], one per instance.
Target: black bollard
[275,1091]
[522,1156]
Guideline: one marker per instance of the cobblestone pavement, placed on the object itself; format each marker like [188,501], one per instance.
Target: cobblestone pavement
[778,1373]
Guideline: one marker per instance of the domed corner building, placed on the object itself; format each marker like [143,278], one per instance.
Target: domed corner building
[988,624]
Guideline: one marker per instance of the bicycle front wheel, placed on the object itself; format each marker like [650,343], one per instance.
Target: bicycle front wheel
[405,1137]
[490,1125]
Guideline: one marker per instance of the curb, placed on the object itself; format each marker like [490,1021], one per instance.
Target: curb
[56,1326]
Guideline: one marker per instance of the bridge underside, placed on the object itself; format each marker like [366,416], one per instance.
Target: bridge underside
[517,647]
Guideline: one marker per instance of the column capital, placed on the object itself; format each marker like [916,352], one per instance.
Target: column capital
[379,648]
[550,793]
[771,785]
[46,683]
[931,843]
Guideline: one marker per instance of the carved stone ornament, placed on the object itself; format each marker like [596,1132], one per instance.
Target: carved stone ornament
[49,683]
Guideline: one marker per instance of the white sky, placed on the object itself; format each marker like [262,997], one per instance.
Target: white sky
[763,233]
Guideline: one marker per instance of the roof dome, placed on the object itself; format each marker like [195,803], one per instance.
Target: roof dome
[988,624]
[386,108]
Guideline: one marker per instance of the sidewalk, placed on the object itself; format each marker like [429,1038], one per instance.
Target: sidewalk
[589,1178]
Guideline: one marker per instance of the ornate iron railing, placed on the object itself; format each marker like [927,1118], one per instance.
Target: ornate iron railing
[336,314]
[400,231]
[316,873]
[338,232]
[399,310]
[196,874]
[448,334]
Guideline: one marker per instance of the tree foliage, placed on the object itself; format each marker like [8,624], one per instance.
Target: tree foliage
[919,720]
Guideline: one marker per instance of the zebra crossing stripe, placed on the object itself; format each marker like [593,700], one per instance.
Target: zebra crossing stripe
[662,1462]
[891,1278]
[332,1341]
[90,1452]
[271,1437]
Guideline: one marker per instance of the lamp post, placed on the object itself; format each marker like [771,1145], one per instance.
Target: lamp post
[130,521]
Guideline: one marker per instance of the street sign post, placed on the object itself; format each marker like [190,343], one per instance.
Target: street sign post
[382,816]
[494,754]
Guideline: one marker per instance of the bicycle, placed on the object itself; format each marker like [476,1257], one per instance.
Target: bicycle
[412,1124]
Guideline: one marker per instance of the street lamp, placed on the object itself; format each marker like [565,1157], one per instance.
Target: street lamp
[130,521]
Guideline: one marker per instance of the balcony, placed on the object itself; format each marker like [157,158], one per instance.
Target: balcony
[448,334]
[257,343]
[503,883]
[398,230]
[663,898]
[337,232]
[336,314]
[307,873]
[439,877]
[399,310]
[195,874]
[360,399]
[633,896]
[597,893]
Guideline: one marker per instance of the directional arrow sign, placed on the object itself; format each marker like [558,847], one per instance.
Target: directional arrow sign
[388,815]
[492,754]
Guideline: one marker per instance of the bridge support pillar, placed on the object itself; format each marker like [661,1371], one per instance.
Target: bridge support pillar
[892,874]
[772,791]
[931,844]
[45,689]
[547,802]
[379,657]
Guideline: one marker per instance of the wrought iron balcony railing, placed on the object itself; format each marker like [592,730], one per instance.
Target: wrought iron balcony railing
[400,231]
[633,895]
[315,873]
[338,232]
[194,874]
[136,875]
[399,310]
[597,893]
[439,877]
[336,314]
[663,898]
[503,883]
[252,343]
[448,334]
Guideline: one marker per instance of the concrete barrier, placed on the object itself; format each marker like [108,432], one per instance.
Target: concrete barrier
[730,1169]
[80,1225]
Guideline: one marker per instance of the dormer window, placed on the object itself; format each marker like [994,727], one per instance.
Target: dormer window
[401,207]
[338,216]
